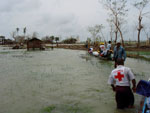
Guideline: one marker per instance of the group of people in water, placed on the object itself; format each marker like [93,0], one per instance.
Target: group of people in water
[121,77]
[104,51]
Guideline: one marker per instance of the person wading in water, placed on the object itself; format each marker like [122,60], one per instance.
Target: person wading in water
[120,79]
[119,53]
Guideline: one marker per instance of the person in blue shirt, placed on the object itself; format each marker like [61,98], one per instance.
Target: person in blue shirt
[119,53]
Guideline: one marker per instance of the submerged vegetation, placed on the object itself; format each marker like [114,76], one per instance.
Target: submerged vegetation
[72,108]
[139,55]
[48,109]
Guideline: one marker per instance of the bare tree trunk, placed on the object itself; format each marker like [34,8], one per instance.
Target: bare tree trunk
[57,43]
[138,44]
[139,30]
[116,36]
[94,38]
[111,36]
[117,24]
[121,37]
[116,32]
[147,39]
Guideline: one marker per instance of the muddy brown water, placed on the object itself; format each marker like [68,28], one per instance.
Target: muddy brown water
[60,81]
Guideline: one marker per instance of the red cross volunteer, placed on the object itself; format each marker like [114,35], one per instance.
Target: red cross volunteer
[120,79]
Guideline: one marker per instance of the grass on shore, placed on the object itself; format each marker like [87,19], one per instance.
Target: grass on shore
[138,56]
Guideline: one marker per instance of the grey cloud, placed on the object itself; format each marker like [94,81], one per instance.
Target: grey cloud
[20,6]
[58,24]
[8,5]
[56,17]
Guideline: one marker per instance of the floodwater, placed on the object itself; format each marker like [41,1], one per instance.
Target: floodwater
[60,81]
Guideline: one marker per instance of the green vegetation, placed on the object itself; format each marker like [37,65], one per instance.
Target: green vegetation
[138,52]
[75,108]
[48,109]
[139,55]
[70,41]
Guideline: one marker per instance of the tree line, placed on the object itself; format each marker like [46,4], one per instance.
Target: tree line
[117,11]
[51,39]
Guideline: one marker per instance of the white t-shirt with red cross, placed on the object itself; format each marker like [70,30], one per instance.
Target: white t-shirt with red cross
[121,76]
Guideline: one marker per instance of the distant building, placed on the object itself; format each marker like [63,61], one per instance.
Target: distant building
[8,41]
[34,43]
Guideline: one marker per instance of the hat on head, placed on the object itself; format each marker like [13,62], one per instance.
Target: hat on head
[101,43]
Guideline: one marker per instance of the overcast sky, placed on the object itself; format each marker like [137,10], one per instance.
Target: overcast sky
[58,17]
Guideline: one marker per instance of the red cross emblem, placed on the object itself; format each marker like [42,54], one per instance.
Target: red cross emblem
[119,76]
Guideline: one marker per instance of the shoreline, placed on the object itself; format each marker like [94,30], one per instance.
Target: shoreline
[83,47]
[130,55]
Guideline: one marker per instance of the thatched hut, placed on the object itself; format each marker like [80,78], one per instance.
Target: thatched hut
[2,40]
[34,43]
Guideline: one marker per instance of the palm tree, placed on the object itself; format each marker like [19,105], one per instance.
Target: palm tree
[17,29]
[24,31]
[57,39]
[52,39]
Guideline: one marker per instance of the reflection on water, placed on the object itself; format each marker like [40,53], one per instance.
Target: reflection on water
[59,81]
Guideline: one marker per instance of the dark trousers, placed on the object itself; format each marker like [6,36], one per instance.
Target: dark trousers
[124,97]
[115,65]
